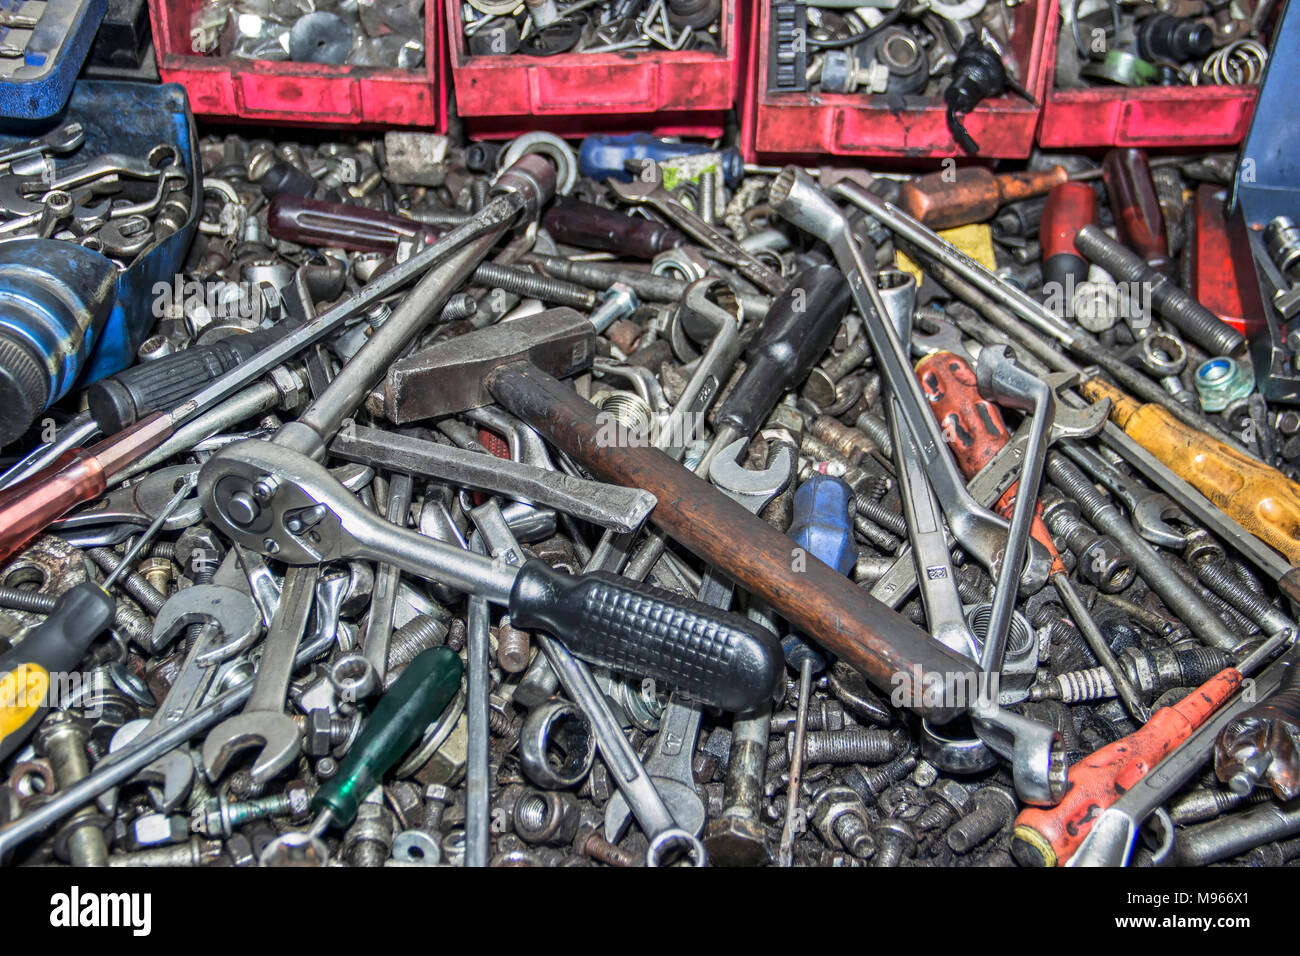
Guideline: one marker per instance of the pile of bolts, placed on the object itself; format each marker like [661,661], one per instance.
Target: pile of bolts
[507,504]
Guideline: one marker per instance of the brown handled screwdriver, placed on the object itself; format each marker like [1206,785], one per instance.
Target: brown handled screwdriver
[315,222]
[1138,219]
[1258,497]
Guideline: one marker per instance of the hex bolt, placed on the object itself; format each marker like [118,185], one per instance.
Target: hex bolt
[822,715]
[190,854]
[589,843]
[839,815]
[323,731]
[369,840]
[159,573]
[948,801]
[993,809]
[820,387]
[62,737]
[870,782]
[895,841]
[132,582]
[1101,561]
[436,798]
[1181,311]
[530,285]
[220,816]
[850,745]
[736,837]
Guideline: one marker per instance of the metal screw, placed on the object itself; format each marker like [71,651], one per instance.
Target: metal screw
[895,840]
[132,583]
[1100,561]
[221,816]
[436,797]
[1219,579]
[530,285]
[193,853]
[840,817]
[591,844]
[850,745]
[849,442]
[20,599]
[870,782]
[820,387]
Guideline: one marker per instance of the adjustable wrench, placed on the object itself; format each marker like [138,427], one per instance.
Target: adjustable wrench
[647,186]
[263,722]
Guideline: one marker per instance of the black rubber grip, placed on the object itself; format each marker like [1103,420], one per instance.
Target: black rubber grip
[159,386]
[717,658]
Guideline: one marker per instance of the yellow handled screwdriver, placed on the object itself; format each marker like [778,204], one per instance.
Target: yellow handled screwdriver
[56,644]
[1258,497]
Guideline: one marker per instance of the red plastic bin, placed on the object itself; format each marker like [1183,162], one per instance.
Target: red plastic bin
[1142,116]
[854,124]
[667,92]
[302,93]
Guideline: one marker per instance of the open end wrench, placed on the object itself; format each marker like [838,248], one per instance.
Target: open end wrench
[647,187]
[981,533]
[231,624]
[1150,511]
[263,722]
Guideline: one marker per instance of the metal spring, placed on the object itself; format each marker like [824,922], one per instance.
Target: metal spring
[1240,63]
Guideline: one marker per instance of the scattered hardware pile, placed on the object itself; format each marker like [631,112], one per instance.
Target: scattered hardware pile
[511,506]
[545,28]
[1168,43]
[380,34]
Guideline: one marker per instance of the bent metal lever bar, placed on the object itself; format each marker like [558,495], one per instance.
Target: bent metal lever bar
[280,502]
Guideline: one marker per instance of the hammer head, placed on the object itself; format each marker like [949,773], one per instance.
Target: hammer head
[447,377]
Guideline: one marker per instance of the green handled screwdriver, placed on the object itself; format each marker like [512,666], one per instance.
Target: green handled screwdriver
[420,694]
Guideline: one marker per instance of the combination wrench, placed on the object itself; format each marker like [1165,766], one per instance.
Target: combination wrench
[796,198]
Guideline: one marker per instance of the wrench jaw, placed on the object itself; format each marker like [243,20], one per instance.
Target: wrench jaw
[751,488]
[170,779]
[275,736]
[1151,516]
[1035,751]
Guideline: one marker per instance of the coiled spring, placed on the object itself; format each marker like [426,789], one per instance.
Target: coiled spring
[1240,63]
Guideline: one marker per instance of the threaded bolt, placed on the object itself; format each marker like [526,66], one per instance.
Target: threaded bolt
[895,840]
[20,599]
[221,817]
[849,442]
[530,285]
[514,647]
[993,810]
[875,512]
[591,844]
[159,572]
[459,306]
[132,583]
[1219,579]
[871,782]
[877,430]
[820,387]
[62,738]
[415,636]
[193,853]
[1182,311]
[850,745]
[1205,804]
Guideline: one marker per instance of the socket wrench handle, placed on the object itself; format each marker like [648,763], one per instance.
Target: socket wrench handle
[716,657]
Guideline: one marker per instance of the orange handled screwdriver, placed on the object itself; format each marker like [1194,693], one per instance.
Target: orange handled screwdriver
[1258,497]
[1049,836]
[976,432]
